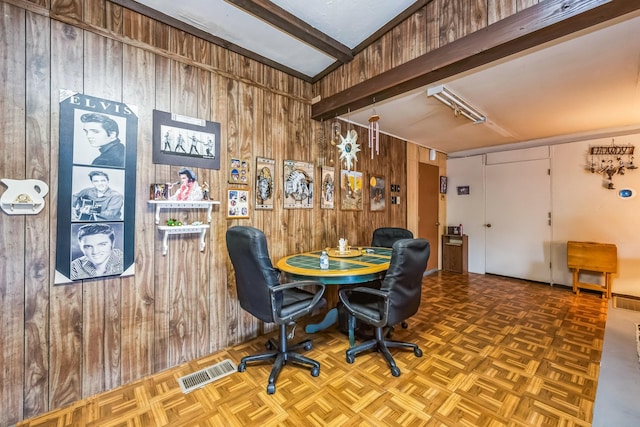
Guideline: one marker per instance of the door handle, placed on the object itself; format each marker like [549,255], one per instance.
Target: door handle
[488,225]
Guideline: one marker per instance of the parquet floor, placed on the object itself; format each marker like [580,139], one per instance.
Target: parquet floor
[497,352]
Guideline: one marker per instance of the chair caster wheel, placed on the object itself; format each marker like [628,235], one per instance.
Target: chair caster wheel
[308,346]
[404,325]
[395,371]
[417,352]
[269,346]
[242,367]
[315,372]
[271,388]
[350,359]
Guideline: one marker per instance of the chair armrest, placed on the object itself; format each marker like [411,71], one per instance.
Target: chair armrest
[363,290]
[300,284]
[317,296]
[382,295]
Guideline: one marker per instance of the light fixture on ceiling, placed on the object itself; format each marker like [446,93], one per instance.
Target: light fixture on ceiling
[458,106]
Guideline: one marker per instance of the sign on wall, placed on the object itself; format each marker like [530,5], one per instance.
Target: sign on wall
[96,188]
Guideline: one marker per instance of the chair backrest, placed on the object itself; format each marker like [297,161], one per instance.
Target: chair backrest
[386,236]
[255,274]
[403,280]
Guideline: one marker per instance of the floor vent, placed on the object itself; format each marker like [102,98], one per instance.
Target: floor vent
[205,376]
[627,303]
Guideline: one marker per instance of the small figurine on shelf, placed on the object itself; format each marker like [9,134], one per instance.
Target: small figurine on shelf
[189,187]
[205,191]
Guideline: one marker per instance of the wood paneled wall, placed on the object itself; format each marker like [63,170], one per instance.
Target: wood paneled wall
[437,24]
[63,343]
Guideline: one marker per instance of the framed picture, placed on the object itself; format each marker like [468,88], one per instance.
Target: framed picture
[265,172]
[443,185]
[238,171]
[463,190]
[298,185]
[159,191]
[351,190]
[453,230]
[96,188]
[377,189]
[327,174]
[237,203]
[185,141]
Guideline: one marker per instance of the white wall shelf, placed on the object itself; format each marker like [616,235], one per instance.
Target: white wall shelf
[182,229]
[174,204]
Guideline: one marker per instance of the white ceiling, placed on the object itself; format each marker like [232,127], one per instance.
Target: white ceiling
[583,86]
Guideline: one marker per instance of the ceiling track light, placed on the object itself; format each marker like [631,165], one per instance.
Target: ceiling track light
[459,106]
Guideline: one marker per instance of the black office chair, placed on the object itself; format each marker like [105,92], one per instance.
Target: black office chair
[397,299]
[261,294]
[386,236]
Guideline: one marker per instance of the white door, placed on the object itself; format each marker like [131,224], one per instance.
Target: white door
[518,229]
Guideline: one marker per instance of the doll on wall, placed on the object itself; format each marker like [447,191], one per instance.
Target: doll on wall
[189,188]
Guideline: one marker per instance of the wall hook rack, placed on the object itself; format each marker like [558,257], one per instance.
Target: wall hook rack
[611,160]
[23,196]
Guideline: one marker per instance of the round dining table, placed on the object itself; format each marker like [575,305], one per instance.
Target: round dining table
[356,265]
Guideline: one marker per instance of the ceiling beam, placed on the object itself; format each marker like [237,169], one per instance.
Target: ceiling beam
[538,24]
[190,29]
[290,24]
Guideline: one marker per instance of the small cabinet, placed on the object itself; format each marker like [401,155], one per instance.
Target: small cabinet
[200,229]
[454,253]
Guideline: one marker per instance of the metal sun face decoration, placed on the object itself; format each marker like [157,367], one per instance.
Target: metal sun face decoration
[348,148]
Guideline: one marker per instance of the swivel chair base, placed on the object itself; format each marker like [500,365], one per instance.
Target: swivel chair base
[381,345]
[282,355]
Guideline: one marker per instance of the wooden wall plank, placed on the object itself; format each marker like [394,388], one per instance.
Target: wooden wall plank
[523,4]
[162,268]
[500,9]
[70,8]
[36,313]
[219,318]
[234,312]
[246,120]
[138,293]
[475,17]
[184,248]
[65,333]
[101,298]
[406,48]
[12,227]
[203,291]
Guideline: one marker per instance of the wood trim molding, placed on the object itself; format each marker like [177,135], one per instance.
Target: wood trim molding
[542,23]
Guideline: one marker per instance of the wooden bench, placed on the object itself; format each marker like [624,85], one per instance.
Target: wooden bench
[596,257]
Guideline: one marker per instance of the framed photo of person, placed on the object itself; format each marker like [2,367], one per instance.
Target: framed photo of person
[96,188]
[265,173]
[237,203]
[377,190]
[238,171]
[185,141]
